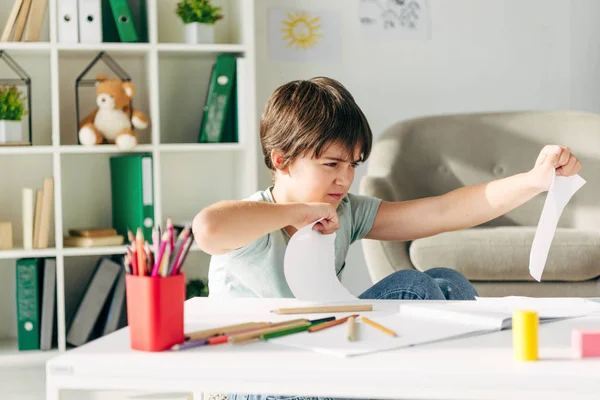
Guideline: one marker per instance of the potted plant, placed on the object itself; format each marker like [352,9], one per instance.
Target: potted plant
[199,17]
[12,109]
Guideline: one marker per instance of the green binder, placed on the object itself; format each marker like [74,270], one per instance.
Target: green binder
[123,18]
[219,118]
[28,275]
[132,194]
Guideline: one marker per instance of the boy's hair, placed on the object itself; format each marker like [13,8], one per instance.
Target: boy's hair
[303,117]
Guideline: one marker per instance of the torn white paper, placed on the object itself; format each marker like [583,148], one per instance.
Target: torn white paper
[561,191]
[309,267]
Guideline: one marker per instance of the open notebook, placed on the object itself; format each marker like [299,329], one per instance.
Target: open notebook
[424,322]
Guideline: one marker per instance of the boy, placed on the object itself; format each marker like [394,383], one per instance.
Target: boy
[313,135]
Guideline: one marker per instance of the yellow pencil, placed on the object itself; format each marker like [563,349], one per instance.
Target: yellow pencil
[376,325]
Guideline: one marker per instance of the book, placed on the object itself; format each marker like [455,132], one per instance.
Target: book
[21,20]
[116,309]
[48,325]
[28,275]
[37,217]
[27,217]
[82,241]
[123,18]
[98,232]
[46,212]
[93,301]
[219,113]
[132,193]
[10,23]
[36,20]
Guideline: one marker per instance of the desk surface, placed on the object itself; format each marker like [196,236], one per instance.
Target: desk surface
[479,367]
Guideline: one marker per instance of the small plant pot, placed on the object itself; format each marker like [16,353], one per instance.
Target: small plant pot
[197,33]
[11,131]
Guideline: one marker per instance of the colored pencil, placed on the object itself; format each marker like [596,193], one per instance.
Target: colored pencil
[321,320]
[329,324]
[351,329]
[158,258]
[170,230]
[188,345]
[285,332]
[223,330]
[376,325]
[164,263]
[186,250]
[274,328]
[141,255]
[324,309]
[179,248]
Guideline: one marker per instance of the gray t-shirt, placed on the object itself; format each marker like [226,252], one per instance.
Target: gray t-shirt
[256,270]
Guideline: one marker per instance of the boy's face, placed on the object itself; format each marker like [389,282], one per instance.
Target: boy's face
[325,179]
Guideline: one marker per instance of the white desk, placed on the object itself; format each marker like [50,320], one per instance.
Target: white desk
[478,367]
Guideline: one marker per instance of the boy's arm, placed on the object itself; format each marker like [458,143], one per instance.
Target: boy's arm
[471,205]
[229,225]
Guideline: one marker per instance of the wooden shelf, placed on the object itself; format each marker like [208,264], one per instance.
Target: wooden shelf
[177,48]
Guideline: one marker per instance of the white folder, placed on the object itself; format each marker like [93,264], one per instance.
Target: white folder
[68,25]
[90,21]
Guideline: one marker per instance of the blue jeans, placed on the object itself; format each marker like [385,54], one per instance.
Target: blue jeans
[434,284]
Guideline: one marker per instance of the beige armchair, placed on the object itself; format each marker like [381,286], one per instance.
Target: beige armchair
[433,155]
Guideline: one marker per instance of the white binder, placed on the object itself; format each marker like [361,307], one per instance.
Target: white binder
[67,20]
[90,21]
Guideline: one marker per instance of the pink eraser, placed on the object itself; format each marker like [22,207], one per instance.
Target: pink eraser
[585,343]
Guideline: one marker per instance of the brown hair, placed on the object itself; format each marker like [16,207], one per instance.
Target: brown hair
[305,116]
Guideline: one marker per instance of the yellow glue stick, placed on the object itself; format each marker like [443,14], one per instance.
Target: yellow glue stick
[525,335]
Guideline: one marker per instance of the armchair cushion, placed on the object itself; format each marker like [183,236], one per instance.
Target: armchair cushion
[502,254]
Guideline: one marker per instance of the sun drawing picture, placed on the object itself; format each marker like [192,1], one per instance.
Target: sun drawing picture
[301,30]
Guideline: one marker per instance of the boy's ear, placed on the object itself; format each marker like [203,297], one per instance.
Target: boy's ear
[277,160]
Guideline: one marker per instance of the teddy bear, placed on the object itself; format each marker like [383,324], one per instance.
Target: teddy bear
[112,121]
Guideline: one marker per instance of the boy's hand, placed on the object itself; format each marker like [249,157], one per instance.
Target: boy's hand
[326,212]
[553,158]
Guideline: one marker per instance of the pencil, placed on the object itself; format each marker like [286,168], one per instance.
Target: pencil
[159,256]
[324,309]
[186,249]
[170,230]
[242,337]
[351,329]
[381,328]
[329,324]
[130,237]
[183,346]
[141,255]
[223,330]
[266,336]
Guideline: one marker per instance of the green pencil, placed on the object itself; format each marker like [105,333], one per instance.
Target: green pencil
[284,332]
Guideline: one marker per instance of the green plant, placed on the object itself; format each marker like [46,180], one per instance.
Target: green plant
[198,11]
[12,104]
[196,288]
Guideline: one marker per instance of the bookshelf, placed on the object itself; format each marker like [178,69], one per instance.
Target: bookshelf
[171,80]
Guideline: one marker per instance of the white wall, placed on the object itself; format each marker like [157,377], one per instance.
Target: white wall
[484,55]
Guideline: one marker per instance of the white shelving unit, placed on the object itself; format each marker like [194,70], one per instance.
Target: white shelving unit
[171,79]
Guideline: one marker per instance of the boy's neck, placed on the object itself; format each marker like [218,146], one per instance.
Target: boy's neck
[279,196]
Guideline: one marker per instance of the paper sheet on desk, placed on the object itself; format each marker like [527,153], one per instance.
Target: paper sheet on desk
[309,267]
[561,191]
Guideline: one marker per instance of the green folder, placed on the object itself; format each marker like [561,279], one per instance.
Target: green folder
[123,18]
[28,274]
[132,194]
[219,117]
